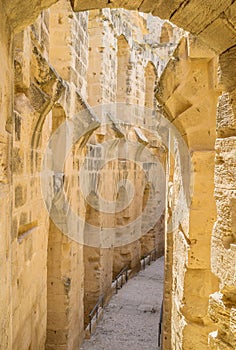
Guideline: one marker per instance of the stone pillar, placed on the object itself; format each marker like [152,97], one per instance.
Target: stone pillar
[222,303]
[65,271]
[168,253]
[190,102]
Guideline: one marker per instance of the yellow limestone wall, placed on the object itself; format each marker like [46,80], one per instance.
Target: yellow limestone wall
[6,92]
[215,24]
[200,257]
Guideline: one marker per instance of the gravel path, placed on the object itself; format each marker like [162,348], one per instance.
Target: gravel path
[130,321]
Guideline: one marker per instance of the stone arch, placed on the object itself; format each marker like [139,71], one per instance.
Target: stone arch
[150,84]
[166,33]
[123,56]
[58,116]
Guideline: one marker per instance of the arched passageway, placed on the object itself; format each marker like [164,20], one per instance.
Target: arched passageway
[188,91]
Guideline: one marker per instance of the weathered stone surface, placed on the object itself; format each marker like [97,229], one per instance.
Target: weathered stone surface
[3,163]
[226,120]
[225,171]
[188,90]
[182,101]
[206,11]
[227,68]
[222,311]
[223,26]
[22,15]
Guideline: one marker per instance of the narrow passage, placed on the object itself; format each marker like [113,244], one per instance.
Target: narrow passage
[130,321]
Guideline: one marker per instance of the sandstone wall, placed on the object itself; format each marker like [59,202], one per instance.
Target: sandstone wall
[222,303]
[47,266]
[29,241]
[6,87]
[215,24]
[195,254]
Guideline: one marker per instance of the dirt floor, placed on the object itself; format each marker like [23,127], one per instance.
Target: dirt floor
[130,321]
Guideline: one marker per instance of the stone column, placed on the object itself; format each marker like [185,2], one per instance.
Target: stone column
[222,303]
[187,90]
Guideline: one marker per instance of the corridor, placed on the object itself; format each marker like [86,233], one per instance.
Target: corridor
[130,321]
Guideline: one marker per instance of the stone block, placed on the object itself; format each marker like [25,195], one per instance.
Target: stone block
[225,169]
[198,284]
[3,163]
[230,14]
[203,181]
[223,314]
[17,161]
[207,12]
[228,68]
[226,120]
[226,37]
[198,49]
[20,195]
[223,258]
[22,57]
